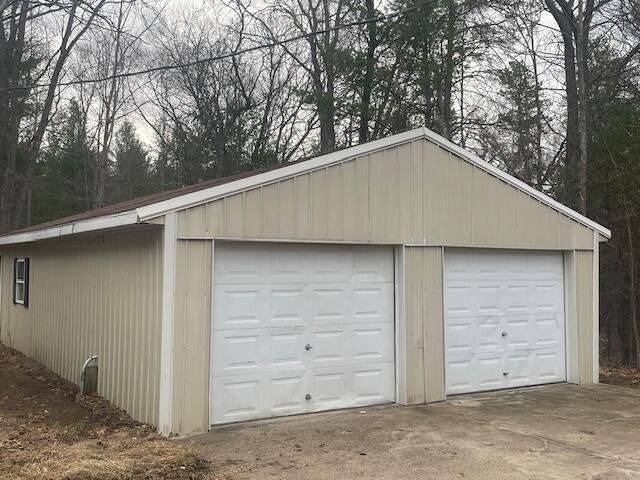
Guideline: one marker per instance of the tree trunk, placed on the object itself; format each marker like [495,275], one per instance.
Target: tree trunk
[583,108]
[367,83]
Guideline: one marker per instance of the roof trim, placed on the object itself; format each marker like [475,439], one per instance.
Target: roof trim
[158,209]
[80,226]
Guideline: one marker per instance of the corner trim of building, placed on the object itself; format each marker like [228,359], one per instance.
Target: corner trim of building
[595,354]
[168,320]
[571,319]
[400,326]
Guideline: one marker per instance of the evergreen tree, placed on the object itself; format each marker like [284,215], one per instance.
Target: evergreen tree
[64,181]
[132,171]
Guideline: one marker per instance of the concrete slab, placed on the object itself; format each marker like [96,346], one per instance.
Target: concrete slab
[552,432]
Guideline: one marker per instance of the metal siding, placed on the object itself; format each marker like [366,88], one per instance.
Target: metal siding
[424,324]
[415,193]
[95,295]
[412,194]
[584,310]
[190,392]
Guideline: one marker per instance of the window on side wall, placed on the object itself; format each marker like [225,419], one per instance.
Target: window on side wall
[21,281]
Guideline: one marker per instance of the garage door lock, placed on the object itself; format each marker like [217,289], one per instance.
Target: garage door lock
[504,334]
[308,396]
[505,373]
[308,346]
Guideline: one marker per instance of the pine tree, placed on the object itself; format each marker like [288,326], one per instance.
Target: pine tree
[132,171]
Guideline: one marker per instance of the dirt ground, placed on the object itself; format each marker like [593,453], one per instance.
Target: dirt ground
[46,432]
[625,377]
[553,432]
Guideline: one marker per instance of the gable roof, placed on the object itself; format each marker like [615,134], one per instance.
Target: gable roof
[143,209]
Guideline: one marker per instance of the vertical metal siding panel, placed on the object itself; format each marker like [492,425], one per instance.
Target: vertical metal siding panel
[90,296]
[198,221]
[411,191]
[433,317]
[270,211]
[349,196]
[390,225]
[233,215]
[378,195]
[334,203]
[286,209]
[179,344]
[483,218]
[406,223]
[363,210]
[302,206]
[434,197]
[506,212]
[183,222]
[584,309]
[215,218]
[319,215]
[252,213]
[414,325]
[191,339]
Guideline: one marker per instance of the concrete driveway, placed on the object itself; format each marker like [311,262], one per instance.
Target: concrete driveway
[552,432]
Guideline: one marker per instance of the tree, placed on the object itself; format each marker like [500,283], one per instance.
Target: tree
[513,139]
[575,20]
[132,169]
[25,61]
[64,175]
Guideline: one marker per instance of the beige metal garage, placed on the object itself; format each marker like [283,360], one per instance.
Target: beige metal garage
[402,270]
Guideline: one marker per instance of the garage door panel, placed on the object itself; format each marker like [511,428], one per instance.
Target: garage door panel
[352,386]
[472,373]
[240,266]
[373,384]
[286,265]
[460,302]
[237,398]
[329,303]
[550,365]
[340,344]
[330,346]
[371,302]
[504,319]
[372,265]
[520,368]
[548,331]
[287,305]
[238,352]
[239,306]
[467,335]
[305,319]
[548,297]
[287,393]
[371,343]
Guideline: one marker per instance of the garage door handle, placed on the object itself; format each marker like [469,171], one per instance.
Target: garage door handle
[308,396]
[307,346]
[504,334]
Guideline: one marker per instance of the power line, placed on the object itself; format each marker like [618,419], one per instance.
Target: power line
[226,55]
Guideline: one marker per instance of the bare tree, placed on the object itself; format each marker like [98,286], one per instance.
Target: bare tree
[23,64]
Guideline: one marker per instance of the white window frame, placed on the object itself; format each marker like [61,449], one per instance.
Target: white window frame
[20,281]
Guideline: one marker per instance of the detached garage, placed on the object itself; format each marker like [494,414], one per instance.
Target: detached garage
[402,270]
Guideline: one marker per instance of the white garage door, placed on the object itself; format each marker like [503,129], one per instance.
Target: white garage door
[504,319]
[300,328]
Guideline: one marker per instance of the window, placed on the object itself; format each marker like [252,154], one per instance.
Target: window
[21,281]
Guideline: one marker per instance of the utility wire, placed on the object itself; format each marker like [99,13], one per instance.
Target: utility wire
[226,55]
